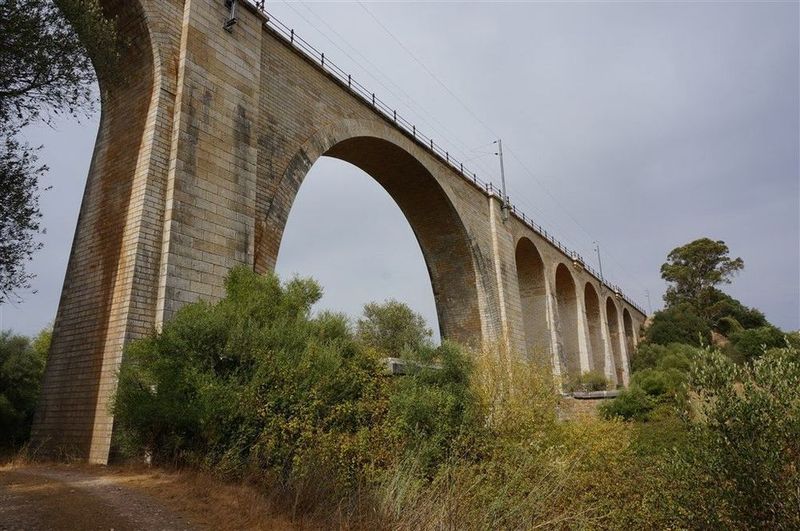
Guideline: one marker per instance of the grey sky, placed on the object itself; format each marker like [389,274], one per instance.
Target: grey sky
[645,126]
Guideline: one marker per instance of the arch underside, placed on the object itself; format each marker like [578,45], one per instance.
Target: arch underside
[533,301]
[630,340]
[612,315]
[593,318]
[567,300]
[436,225]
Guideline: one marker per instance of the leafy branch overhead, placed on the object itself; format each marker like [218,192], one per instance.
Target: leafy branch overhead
[50,51]
[47,49]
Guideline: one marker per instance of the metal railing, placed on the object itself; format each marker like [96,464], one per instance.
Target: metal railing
[390,114]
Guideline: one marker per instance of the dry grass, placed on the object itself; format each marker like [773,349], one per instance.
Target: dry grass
[202,499]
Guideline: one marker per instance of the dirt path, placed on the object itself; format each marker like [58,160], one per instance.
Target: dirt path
[33,498]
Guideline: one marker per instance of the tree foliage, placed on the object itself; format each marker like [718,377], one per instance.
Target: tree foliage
[45,71]
[681,323]
[752,343]
[19,214]
[392,328]
[254,383]
[45,50]
[695,269]
[739,470]
[22,363]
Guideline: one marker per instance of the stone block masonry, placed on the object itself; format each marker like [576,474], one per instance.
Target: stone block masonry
[205,139]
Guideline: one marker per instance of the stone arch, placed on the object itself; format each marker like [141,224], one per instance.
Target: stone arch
[630,340]
[595,330]
[612,315]
[567,302]
[386,156]
[533,300]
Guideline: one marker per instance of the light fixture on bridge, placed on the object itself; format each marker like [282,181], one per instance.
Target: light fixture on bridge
[231,22]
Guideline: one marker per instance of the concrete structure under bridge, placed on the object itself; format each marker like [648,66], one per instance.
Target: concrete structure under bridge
[205,139]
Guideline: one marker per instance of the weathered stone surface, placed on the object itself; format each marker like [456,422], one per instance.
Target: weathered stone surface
[203,146]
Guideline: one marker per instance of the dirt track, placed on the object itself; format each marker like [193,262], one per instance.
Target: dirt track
[33,498]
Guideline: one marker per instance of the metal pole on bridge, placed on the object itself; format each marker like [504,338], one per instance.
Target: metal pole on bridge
[502,179]
[599,261]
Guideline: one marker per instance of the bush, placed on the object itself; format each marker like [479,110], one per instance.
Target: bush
[591,381]
[432,406]
[750,344]
[393,328]
[655,356]
[739,469]
[659,383]
[679,324]
[517,467]
[729,315]
[253,384]
[631,404]
[22,364]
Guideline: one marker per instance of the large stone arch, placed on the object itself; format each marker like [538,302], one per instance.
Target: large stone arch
[532,283]
[413,185]
[568,315]
[595,328]
[615,338]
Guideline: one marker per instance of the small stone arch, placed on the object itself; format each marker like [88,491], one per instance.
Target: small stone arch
[533,300]
[567,303]
[597,353]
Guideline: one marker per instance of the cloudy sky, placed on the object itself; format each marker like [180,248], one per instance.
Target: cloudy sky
[641,126]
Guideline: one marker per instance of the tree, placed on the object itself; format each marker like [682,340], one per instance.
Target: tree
[679,323]
[751,344]
[21,366]
[728,315]
[392,327]
[45,64]
[45,70]
[19,214]
[695,269]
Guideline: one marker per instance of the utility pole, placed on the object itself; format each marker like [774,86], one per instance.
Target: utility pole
[502,179]
[649,306]
[599,261]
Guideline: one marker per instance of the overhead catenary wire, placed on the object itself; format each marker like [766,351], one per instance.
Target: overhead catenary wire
[422,114]
[485,126]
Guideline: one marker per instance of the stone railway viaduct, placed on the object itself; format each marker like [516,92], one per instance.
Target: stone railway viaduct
[205,137]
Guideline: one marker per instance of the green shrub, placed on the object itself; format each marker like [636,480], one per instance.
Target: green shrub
[739,469]
[393,328]
[659,383]
[631,404]
[22,362]
[253,383]
[679,324]
[591,381]
[517,467]
[751,344]
[432,405]
[673,356]
[729,315]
